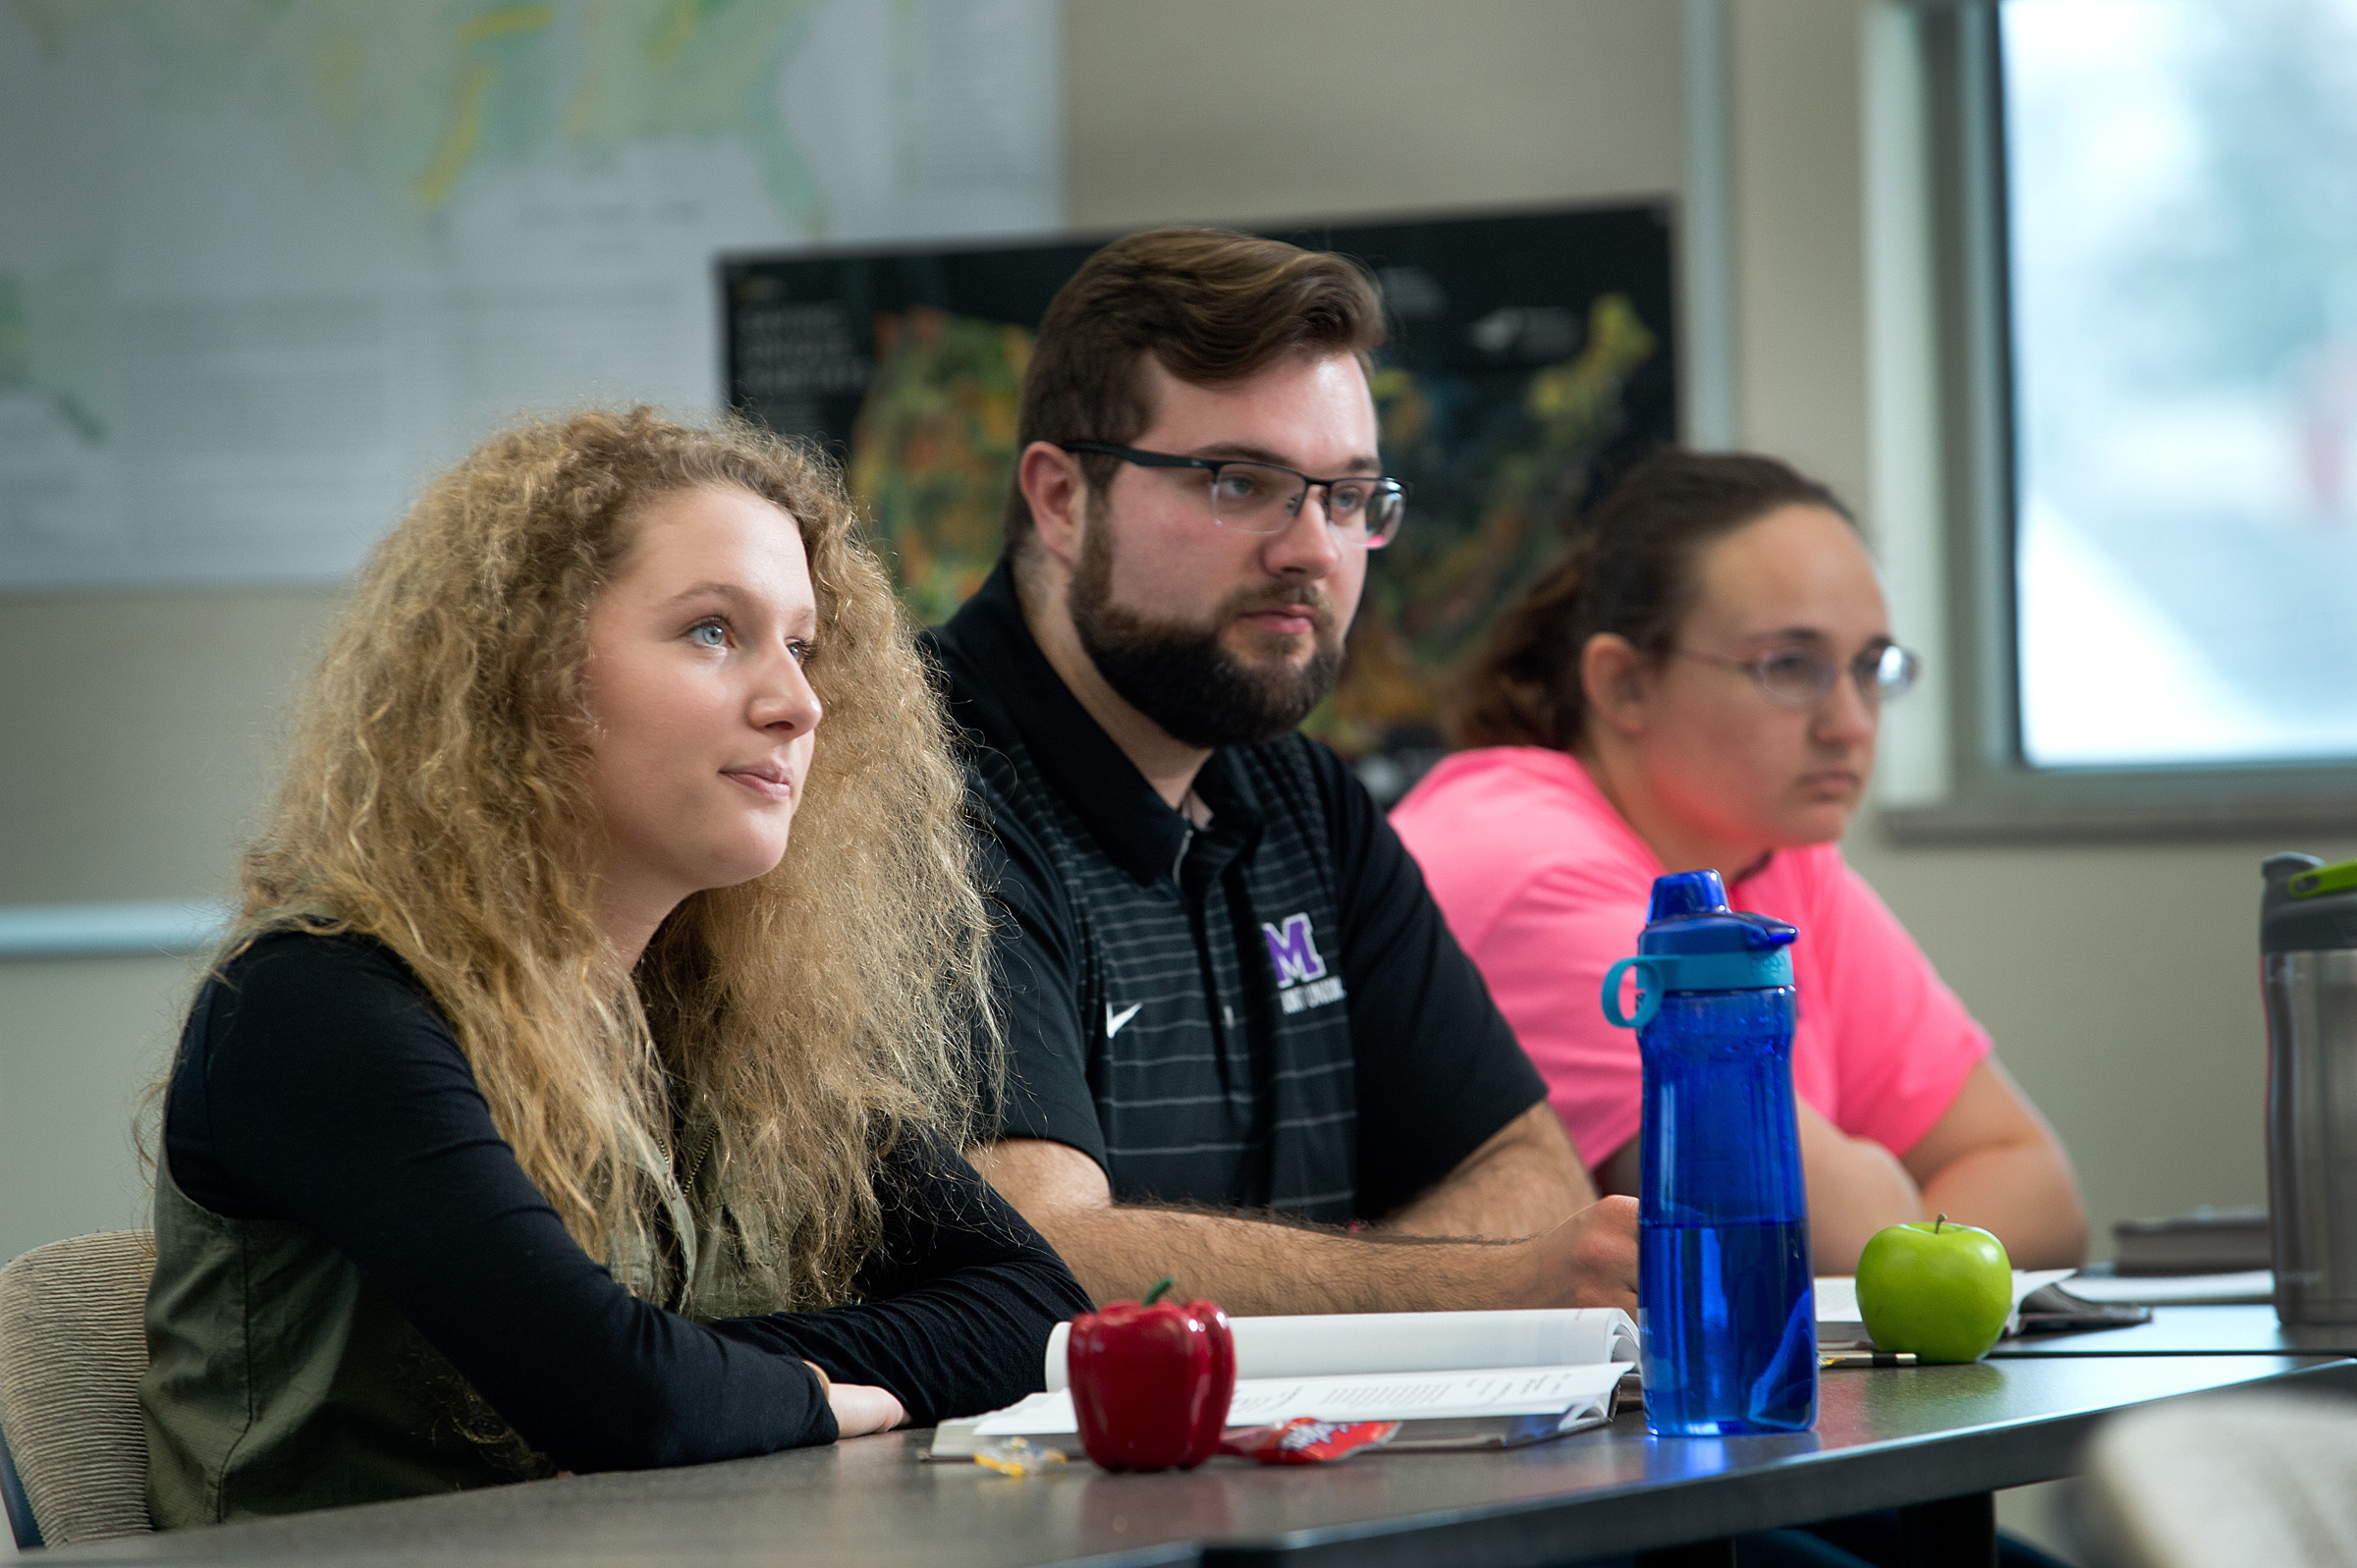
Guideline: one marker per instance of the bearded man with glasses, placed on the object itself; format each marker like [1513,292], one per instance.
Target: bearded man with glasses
[1699,684]
[1242,1044]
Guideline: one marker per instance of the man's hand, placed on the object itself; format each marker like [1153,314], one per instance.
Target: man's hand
[1856,1187]
[1590,1260]
[1255,1266]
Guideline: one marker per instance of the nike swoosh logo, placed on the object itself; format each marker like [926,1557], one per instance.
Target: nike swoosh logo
[1114,1021]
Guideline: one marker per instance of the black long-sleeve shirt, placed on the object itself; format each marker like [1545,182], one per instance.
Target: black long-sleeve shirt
[318,1083]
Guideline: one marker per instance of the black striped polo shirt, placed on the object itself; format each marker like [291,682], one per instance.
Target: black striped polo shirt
[1266,1012]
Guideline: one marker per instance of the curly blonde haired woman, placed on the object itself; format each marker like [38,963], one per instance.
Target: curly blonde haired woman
[548,1108]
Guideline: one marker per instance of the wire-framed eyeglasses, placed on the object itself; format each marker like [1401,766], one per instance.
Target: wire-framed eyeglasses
[1266,497]
[1799,678]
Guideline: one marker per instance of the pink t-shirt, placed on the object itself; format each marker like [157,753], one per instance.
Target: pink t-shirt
[1545,886]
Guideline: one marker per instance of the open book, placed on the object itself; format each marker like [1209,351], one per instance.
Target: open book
[1454,1379]
[1840,1325]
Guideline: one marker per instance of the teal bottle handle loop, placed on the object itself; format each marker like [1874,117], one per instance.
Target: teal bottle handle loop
[1651,983]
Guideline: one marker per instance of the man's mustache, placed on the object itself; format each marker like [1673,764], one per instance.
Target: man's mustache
[1247,599]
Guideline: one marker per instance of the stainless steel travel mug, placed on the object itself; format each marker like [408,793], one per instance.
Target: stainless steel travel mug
[2308,966]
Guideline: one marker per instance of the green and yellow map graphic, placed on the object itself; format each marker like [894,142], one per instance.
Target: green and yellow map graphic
[419,94]
[933,452]
[267,263]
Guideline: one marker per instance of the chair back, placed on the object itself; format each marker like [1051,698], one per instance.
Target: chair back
[73,1346]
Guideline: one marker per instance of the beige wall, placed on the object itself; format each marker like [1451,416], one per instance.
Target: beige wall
[138,729]
[1246,110]
[2119,980]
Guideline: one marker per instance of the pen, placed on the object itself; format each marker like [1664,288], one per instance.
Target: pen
[1870,1358]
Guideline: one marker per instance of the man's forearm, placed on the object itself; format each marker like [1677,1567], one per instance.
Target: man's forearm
[2023,1192]
[1258,1266]
[1255,1266]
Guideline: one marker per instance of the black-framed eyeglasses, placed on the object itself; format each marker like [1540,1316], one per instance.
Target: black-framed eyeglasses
[1798,677]
[1266,497]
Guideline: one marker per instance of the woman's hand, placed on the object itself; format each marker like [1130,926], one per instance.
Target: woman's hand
[862,1408]
[859,1408]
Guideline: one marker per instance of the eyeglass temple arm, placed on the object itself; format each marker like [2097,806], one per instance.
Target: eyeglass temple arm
[1170,459]
[1147,459]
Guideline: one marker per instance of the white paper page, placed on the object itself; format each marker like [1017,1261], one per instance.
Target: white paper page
[1386,1396]
[1837,1299]
[2175,1290]
[2026,1281]
[1045,1415]
[1334,1344]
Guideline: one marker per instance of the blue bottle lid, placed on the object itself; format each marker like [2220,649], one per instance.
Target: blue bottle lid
[1695,943]
[1687,893]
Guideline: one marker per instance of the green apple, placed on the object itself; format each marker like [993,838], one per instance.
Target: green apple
[1940,1290]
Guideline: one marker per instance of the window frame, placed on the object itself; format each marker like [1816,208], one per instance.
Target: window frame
[1993,794]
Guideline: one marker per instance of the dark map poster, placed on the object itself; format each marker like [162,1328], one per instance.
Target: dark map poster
[1531,359]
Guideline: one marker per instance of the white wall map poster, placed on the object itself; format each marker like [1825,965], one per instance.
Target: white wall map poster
[265,264]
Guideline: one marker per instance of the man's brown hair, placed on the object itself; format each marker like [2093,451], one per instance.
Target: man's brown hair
[1632,569]
[1210,304]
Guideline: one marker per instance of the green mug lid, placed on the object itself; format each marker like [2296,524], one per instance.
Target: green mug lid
[2324,879]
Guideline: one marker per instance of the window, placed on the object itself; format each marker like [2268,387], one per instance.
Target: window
[2146,226]
[2182,209]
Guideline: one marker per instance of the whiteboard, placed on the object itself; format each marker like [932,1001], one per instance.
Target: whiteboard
[266,264]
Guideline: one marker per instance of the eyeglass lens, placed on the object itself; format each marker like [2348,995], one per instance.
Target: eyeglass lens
[1802,678]
[1254,498]
[1887,675]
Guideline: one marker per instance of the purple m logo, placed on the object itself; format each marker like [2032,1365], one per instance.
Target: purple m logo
[1294,950]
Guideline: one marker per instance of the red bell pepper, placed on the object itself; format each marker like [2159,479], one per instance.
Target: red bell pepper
[1151,1382]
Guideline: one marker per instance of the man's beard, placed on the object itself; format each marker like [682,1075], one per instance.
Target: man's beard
[1179,675]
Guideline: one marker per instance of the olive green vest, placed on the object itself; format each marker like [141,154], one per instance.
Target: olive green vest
[278,1380]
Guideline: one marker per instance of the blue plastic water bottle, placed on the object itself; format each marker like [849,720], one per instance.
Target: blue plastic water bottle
[1726,1306]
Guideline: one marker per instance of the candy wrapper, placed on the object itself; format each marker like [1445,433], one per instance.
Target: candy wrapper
[1307,1441]
[1016,1456]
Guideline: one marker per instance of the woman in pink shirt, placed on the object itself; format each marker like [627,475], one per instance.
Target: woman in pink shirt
[1697,683]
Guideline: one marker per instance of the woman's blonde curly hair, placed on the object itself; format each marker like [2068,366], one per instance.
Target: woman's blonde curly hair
[436,800]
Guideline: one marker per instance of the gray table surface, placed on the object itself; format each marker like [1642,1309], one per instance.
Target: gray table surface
[2193,1331]
[1885,1438]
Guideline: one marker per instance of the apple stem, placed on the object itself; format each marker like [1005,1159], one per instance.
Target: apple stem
[1938,1223]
